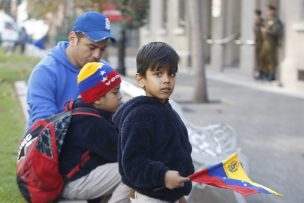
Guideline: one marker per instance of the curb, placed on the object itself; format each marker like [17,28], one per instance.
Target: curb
[21,91]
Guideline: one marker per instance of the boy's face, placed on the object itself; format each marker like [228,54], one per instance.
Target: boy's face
[158,83]
[111,101]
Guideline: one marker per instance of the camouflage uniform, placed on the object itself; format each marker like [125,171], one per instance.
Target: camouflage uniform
[269,49]
[258,46]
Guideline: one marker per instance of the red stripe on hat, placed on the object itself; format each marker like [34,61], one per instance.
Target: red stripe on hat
[102,88]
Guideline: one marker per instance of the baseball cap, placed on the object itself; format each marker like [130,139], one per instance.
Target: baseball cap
[94,25]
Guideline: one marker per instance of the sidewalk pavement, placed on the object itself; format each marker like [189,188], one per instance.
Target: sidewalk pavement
[268,120]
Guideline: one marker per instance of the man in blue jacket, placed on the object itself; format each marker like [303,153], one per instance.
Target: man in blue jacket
[54,79]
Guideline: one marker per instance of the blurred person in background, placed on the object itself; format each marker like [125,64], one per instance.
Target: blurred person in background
[22,41]
[271,33]
[258,24]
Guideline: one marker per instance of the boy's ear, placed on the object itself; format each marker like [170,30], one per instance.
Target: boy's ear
[140,80]
[97,102]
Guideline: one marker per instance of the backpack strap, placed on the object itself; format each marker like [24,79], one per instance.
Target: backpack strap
[83,161]
[86,111]
[68,106]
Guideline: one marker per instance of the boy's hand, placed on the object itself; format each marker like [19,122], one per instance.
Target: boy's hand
[174,180]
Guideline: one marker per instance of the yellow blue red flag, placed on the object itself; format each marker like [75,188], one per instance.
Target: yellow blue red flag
[230,174]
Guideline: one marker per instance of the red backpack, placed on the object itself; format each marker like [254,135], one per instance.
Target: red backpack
[38,176]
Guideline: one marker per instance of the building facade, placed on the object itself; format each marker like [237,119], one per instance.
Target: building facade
[228,34]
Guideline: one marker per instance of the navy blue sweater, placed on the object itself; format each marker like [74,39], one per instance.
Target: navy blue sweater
[87,132]
[153,139]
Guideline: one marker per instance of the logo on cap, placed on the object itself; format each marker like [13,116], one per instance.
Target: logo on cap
[107,24]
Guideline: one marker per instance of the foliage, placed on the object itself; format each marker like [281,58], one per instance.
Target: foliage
[39,8]
[5,5]
[134,12]
[12,68]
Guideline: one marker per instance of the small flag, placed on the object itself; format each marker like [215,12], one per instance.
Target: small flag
[230,175]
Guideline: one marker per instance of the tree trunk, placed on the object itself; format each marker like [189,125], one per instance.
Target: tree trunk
[122,52]
[197,56]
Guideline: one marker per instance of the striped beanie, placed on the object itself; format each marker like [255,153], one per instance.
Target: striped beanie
[96,80]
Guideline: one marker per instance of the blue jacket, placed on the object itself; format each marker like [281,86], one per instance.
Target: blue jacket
[52,82]
[89,133]
[153,139]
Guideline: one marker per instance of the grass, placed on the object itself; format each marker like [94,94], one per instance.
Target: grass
[12,68]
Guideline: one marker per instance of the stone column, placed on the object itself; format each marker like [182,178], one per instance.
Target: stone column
[151,31]
[217,34]
[247,37]
[156,19]
[301,10]
[206,17]
[232,30]
[225,27]
[177,33]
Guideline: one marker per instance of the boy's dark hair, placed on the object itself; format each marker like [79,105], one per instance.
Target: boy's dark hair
[156,55]
[258,12]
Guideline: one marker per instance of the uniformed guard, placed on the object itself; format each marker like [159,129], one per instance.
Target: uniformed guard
[258,24]
[271,32]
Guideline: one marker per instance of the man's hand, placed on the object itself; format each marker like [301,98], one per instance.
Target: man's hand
[174,180]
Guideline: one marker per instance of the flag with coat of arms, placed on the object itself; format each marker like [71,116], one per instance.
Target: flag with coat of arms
[230,174]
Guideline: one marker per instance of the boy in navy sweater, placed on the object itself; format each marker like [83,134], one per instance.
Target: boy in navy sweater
[99,89]
[153,148]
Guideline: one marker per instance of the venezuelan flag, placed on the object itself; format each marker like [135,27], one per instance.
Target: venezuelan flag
[230,175]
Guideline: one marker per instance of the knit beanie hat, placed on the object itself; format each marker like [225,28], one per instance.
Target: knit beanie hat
[96,80]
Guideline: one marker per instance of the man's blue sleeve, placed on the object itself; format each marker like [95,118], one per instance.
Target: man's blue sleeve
[41,96]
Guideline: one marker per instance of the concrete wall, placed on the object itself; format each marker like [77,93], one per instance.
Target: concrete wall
[293,63]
